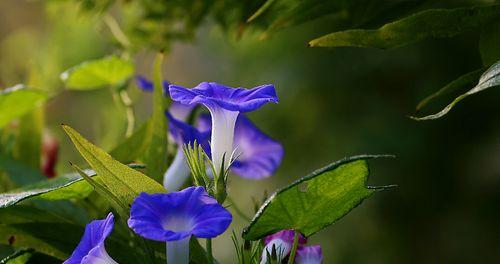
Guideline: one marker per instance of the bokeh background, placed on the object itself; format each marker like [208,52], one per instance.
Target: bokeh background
[333,103]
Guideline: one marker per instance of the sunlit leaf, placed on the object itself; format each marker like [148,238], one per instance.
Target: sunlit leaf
[315,201]
[489,78]
[156,154]
[63,187]
[99,73]
[124,182]
[434,23]
[67,186]
[17,101]
[104,192]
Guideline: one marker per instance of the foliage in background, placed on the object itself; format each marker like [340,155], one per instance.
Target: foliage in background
[157,24]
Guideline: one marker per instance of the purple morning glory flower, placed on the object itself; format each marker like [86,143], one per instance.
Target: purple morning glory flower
[224,104]
[182,133]
[91,249]
[148,86]
[282,242]
[309,255]
[175,217]
[258,155]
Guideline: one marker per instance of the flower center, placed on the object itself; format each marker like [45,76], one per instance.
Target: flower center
[178,223]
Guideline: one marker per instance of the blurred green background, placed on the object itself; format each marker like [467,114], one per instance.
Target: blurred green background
[333,103]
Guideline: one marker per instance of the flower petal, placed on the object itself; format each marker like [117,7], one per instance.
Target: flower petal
[95,234]
[147,85]
[184,133]
[177,215]
[309,255]
[259,155]
[214,95]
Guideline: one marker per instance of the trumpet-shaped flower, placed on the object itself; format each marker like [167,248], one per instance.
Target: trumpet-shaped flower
[175,217]
[182,133]
[224,104]
[258,155]
[91,249]
[282,242]
[309,255]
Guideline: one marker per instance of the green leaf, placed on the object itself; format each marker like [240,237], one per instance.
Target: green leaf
[197,254]
[461,82]
[315,201]
[29,138]
[29,227]
[261,10]
[63,187]
[67,186]
[156,155]
[489,43]
[111,198]
[19,257]
[134,146]
[19,173]
[434,23]
[17,101]
[108,71]
[124,182]
[488,79]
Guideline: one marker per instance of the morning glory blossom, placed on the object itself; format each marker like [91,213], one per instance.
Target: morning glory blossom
[175,217]
[309,255]
[224,104]
[148,86]
[182,133]
[282,242]
[257,155]
[91,249]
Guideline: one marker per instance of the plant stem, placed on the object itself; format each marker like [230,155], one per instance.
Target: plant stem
[291,260]
[209,251]
[129,111]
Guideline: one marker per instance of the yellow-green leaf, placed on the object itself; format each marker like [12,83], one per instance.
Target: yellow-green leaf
[99,73]
[17,101]
[122,181]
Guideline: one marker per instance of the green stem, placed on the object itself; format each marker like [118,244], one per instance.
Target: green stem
[291,260]
[209,251]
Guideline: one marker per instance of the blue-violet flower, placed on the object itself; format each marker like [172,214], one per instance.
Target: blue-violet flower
[175,217]
[183,134]
[91,249]
[224,104]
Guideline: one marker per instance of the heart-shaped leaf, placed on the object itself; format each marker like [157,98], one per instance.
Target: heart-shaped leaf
[314,201]
[17,101]
[108,71]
